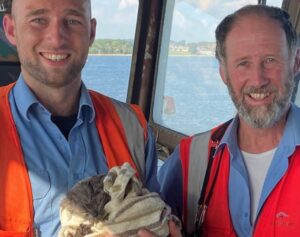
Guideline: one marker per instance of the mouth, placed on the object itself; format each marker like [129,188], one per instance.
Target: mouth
[259,96]
[55,57]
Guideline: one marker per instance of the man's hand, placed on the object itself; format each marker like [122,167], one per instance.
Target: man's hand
[174,231]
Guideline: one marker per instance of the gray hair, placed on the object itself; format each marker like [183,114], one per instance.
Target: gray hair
[275,13]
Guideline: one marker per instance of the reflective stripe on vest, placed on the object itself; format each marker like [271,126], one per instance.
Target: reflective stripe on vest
[16,207]
[194,156]
[123,127]
[135,126]
[194,159]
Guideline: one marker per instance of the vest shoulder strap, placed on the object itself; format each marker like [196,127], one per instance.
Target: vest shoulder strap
[122,131]
[197,166]
[194,153]
[140,115]
[135,126]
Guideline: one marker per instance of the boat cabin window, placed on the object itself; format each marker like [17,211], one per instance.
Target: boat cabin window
[190,96]
[9,62]
[276,3]
[108,66]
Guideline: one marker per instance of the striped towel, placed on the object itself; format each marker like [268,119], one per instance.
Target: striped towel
[115,204]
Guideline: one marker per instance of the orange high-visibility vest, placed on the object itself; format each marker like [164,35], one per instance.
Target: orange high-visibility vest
[16,201]
[279,216]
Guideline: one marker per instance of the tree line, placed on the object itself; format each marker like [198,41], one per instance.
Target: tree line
[123,46]
[111,46]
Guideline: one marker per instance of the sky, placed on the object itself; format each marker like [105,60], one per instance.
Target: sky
[116,19]
[192,20]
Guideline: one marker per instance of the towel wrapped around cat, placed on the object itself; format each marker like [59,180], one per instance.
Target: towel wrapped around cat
[115,204]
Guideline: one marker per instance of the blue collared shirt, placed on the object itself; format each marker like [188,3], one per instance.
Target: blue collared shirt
[54,163]
[239,188]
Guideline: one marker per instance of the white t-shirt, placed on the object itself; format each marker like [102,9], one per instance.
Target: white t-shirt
[257,166]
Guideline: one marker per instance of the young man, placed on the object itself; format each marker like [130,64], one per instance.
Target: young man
[54,131]
[252,179]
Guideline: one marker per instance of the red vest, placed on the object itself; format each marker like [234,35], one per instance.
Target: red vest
[279,216]
[16,207]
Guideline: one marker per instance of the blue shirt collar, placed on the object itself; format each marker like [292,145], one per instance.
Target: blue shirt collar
[291,135]
[26,101]
[86,107]
[230,137]
[289,140]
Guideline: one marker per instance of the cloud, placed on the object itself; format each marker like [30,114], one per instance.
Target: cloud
[201,4]
[116,19]
[196,20]
[179,19]
[127,3]
[218,8]
[193,20]
[192,24]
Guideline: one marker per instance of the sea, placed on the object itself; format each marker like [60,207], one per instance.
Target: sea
[191,96]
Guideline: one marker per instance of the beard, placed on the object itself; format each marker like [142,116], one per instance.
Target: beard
[265,116]
[56,78]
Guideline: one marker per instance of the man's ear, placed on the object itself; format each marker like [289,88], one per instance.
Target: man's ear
[296,66]
[9,28]
[222,71]
[93,31]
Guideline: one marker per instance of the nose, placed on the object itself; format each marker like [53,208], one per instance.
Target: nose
[56,34]
[258,75]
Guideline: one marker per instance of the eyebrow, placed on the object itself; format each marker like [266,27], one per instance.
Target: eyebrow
[74,12]
[37,12]
[241,59]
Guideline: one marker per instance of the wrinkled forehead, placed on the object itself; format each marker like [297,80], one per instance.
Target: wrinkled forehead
[252,23]
[253,19]
[254,36]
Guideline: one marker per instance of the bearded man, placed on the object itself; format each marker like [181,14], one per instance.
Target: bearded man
[246,171]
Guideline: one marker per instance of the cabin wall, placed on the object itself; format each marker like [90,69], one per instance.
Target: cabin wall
[293,8]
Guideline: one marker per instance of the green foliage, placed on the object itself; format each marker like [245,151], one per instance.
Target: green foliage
[119,46]
[199,48]
[111,46]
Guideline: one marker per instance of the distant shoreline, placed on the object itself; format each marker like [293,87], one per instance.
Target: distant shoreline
[108,54]
[171,55]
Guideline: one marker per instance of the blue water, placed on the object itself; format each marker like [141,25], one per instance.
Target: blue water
[108,75]
[200,97]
